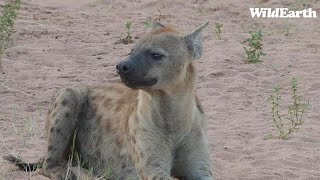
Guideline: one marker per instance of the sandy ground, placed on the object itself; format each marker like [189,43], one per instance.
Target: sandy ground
[61,43]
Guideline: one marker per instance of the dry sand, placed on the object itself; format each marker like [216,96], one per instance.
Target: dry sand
[61,43]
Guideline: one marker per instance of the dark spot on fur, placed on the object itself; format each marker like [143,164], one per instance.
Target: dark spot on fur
[49,159]
[98,142]
[50,148]
[136,120]
[118,107]
[118,141]
[107,102]
[58,130]
[133,140]
[149,161]
[64,102]
[69,90]
[134,150]
[121,101]
[51,129]
[67,151]
[156,165]
[144,177]
[94,109]
[140,172]
[123,166]
[110,88]
[108,125]
[141,155]
[99,154]
[98,119]
[57,121]
[67,115]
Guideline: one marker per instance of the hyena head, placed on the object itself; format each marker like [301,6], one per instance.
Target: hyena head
[160,59]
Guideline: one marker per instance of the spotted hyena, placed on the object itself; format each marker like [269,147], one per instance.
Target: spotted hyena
[150,126]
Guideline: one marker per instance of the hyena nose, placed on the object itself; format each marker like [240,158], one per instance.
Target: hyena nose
[124,67]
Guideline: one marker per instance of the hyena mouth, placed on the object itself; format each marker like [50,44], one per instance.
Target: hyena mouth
[139,84]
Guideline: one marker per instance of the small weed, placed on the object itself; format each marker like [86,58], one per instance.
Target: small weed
[94,3]
[218,30]
[254,47]
[128,39]
[25,128]
[301,4]
[25,131]
[9,14]
[147,23]
[286,124]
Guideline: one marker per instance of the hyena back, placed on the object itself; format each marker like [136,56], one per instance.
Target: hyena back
[149,127]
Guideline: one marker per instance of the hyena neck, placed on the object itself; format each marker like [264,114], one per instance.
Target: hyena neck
[171,110]
[185,86]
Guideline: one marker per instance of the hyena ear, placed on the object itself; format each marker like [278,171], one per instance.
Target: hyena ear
[156,26]
[194,42]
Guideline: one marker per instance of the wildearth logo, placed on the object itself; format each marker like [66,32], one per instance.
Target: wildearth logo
[282,13]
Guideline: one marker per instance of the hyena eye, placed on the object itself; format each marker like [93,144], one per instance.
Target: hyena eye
[156,56]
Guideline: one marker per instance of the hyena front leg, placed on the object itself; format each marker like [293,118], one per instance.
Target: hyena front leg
[60,127]
[192,159]
[152,156]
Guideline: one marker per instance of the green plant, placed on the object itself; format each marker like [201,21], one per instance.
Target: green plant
[302,4]
[7,19]
[147,23]
[299,5]
[286,124]
[254,47]
[25,128]
[218,30]
[95,3]
[128,39]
